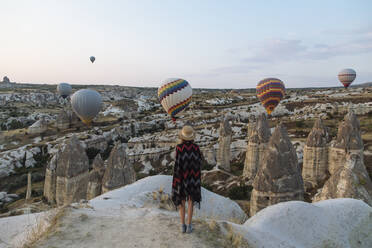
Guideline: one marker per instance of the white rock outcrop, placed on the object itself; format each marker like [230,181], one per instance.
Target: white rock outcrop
[341,223]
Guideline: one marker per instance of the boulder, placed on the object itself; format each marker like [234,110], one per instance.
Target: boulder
[279,178]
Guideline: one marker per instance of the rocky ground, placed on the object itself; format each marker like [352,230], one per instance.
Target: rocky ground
[134,116]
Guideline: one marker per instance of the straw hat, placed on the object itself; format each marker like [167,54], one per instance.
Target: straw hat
[187,133]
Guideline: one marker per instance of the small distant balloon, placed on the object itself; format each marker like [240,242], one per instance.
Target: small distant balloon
[92,59]
[86,103]
[346,77]
[270,91]
[174,95]
[64,90]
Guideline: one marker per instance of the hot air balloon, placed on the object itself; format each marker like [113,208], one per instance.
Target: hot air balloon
[86,104]
[92,58]
[270,91]
[64,90]
[346,77]
[174,95]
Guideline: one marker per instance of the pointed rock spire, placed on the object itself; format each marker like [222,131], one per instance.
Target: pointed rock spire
[315,162]
[257,143]
[119,171]
[279,178]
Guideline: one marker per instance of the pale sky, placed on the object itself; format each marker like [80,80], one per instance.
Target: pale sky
[212,44]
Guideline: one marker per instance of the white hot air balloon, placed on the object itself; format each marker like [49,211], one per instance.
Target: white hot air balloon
[64,90]
[86,103]
[346,77]
[174,95]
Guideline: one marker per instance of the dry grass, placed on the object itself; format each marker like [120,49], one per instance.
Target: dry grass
[44,227]
[215,236]
[155,195]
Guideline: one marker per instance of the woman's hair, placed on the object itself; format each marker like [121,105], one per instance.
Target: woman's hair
[180,141]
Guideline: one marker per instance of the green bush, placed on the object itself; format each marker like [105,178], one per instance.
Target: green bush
[91,153]
[300,124]
[240,192]
[206,186]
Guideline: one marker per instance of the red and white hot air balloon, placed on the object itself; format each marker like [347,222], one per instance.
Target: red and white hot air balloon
[346,77]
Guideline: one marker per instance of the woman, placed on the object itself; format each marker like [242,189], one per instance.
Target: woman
[186,176]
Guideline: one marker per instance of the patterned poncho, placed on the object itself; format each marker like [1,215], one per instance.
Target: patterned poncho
[186,175]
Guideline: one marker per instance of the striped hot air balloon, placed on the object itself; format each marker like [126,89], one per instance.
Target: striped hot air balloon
[346,77]
[270,91]
[174,95]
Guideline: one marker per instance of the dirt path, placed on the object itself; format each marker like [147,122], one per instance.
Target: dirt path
[142,227]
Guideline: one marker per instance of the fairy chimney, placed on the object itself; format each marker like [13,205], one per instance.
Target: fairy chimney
[95,178]
[119,171]
[315,161]
[51,180]
[348,141]
[63,120]
[72,173]
[279,178]
[257,143]
[349,181]
[224,142]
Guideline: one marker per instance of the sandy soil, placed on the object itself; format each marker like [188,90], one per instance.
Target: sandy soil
[143,227]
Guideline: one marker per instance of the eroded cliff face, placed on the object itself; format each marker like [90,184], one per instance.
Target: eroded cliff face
[279,178]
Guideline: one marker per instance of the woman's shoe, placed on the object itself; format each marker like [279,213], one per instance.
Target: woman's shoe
[189,228]
[183,228]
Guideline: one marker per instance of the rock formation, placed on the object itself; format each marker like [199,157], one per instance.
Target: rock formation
[51,180]
[224,141]
[349,181]
[279,178]
[348,140]
[63,120]
[29,190]
[119,171]
[95,178]
[257,143]
[315,161]
[72,173]
[38,127]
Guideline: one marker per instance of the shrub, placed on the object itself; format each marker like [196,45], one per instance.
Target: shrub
[91,153]
[240,192]
[300,123]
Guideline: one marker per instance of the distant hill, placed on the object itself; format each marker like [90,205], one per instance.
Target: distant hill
[368,84]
